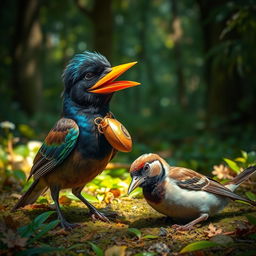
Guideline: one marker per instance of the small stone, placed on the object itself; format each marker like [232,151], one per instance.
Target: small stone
[163,232]
[222,239]
[160,248]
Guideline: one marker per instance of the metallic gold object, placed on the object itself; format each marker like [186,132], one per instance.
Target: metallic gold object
[115,133]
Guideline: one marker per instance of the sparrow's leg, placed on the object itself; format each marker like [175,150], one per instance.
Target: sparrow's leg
[189,226]
[95,214]
[55,196]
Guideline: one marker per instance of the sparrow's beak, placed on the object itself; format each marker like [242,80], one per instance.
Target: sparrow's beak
[107,83]
[136,181]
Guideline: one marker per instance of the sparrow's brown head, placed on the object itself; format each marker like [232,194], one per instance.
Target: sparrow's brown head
[145,170]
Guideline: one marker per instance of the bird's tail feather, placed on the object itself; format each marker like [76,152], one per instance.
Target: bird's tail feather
[31,195]
[240,178]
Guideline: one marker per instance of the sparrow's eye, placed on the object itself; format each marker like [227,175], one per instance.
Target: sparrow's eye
[89,75]
[146,167]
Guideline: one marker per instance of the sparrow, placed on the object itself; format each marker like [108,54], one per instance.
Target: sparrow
[182,193]
[74,152]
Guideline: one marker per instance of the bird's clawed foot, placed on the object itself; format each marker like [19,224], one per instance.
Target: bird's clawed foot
[96,215]
[68,226]
[182,227]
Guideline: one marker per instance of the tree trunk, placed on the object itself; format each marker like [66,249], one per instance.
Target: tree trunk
[176,34]
[224,89]
[26,79]
[102,23]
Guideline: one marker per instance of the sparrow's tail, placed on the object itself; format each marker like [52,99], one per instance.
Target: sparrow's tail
[34,191]
[240,178]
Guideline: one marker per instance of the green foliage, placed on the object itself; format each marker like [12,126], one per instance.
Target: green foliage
[251,195]
[138,234]
[97,250]
[90,198]
[28,236]
[37,228]
[232,165]
[196,246]
[135,231]
[242,162]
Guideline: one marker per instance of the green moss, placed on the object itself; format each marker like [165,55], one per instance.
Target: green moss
[134,213]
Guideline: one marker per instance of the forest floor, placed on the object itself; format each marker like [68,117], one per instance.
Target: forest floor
[230,229]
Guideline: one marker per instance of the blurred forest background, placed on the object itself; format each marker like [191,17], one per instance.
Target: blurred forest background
[197,66]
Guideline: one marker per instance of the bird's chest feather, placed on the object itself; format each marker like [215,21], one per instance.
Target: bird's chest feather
[77,171]
[186,204]
[91,143]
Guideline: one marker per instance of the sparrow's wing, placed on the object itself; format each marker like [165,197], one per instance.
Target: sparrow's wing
[58,144]
[191,180]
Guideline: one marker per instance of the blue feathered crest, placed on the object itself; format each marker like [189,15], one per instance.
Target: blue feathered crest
[77,66]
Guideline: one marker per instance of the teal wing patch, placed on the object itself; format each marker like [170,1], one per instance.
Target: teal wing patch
[57,146]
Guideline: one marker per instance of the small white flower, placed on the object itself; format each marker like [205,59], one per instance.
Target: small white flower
[34,145]
[7,125]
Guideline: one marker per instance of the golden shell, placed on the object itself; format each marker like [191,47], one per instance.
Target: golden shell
[115,133]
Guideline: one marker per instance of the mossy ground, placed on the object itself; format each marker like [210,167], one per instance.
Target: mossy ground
[135,213]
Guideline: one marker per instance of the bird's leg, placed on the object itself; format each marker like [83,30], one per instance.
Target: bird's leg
[55,196]
[95,214]
[189,226]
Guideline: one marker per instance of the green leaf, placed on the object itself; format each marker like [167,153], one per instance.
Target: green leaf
[136,193]
[198,246]
[90,198]
[22,150]
[135,231]
[251,195]
[244,154]
[29,230]
[40,219]
[37,251]
[243,202]
[149,237]
[98,251]
[26,231]
[251,157]
[240,159]
[251,219]
[233,165]
[19,174]
[44,230]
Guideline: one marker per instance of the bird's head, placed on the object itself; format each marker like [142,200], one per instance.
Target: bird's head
[146,170]
[89,79]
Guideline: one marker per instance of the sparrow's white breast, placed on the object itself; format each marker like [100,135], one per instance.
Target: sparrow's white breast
[188,204]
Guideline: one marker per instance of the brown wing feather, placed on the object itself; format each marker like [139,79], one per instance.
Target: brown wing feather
[192,180]
[45,161]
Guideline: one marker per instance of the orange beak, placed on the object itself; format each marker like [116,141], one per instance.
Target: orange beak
[107,84]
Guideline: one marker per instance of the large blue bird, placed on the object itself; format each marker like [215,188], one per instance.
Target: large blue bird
[74,151]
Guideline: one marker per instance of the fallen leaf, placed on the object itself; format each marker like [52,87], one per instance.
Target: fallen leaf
[115,251]
[115,191]
[37,206]
[64,200]
[213,231]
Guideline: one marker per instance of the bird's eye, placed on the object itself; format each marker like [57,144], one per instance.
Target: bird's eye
[146,167]
[89,75]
